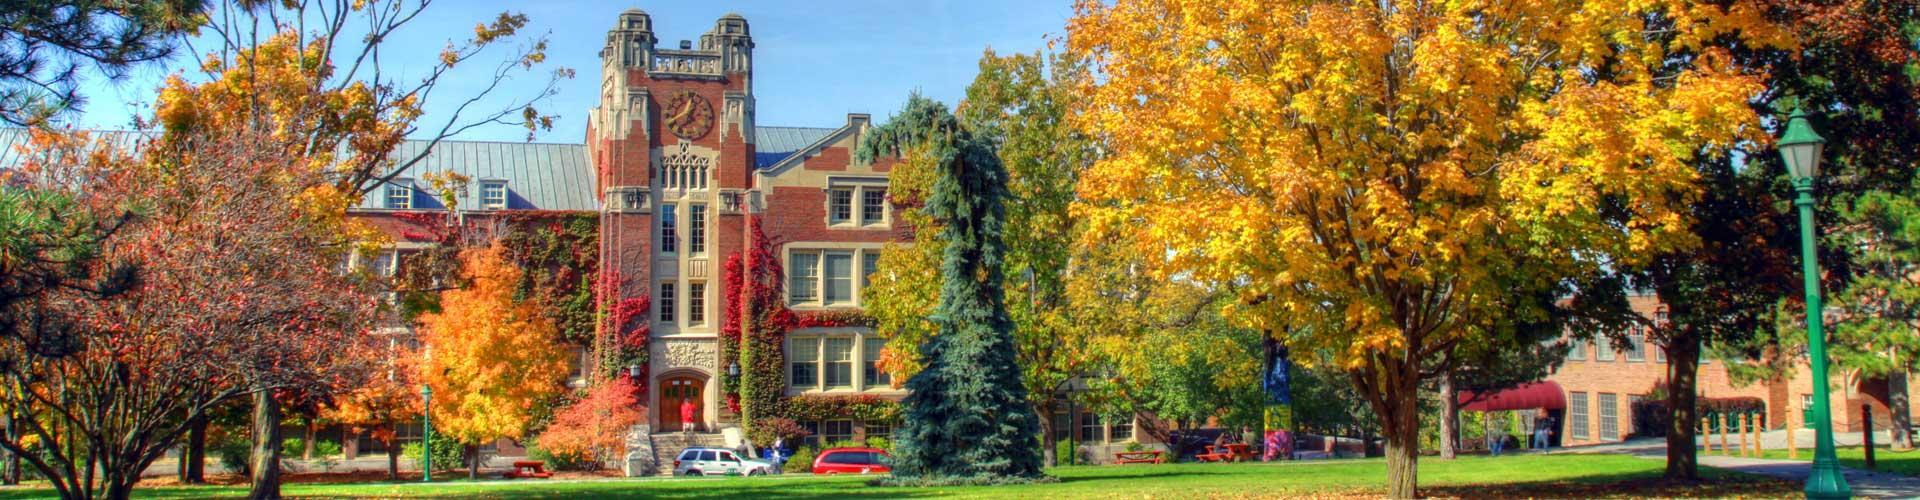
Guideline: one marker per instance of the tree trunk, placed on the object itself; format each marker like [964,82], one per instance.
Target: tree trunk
[1449,417]
[393,453]
[1683,367]
[1048,444]
[1403,450]
[266,447]
[11,476]
[306,442]
[473,462]
[1899,409]
[196,455]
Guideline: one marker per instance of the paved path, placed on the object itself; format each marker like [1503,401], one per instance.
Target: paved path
[1865,484]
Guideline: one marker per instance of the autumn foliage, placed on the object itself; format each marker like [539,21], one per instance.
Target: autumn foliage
[594,429]
[488,359]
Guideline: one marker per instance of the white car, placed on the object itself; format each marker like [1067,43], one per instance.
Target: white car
[718,462]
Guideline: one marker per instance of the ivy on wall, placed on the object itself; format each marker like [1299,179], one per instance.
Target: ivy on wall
[818,407]
[624,342]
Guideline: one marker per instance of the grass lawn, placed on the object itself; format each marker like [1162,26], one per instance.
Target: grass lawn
[1885,460]
[1553,476]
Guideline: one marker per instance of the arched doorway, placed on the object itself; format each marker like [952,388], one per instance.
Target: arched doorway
[675,391]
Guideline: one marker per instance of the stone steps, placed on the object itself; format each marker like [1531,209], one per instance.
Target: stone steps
[668,445]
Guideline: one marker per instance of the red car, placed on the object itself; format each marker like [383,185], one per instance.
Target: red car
[853,461]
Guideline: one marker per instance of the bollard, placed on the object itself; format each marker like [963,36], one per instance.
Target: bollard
[1793,433]
[1740,423]
[1706,436]
[1759,434]
[1866,437]
[1723,435]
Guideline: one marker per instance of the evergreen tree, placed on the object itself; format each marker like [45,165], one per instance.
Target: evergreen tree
[967,419]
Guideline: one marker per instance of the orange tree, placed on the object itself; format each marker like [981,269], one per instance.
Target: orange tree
[489,359]
[389,397]
[592,432]
[1382,178]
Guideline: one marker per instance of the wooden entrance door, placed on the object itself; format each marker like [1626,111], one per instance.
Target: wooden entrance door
[676,390]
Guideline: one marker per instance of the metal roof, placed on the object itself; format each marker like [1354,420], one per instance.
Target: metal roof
[772,144]
[539,176]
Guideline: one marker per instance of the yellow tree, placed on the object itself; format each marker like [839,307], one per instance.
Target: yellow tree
[1383,177]
[489,360]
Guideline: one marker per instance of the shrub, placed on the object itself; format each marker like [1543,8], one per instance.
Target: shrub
[801,462]
[561,462]
[447,453]
[766,430]
[295,447]
[593,429]
[1063,451]
[233,453]
[880,443]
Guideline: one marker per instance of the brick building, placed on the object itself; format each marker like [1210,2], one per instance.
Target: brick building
[1600,384]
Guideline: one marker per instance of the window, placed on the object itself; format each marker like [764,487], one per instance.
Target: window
[690,455]
[1603,351]
[697,303]
[1577,349]
[1659,353]
[386,262]
[839,267]
[813,433]
[879,428]
[697,229]
[1637,344]
[839,363]
[1806,410]
[669,230]
[1123,430]
[1062,426]
[803,279]
[666,302]
[803,358]
[873,205]
[1577,416]
[870,354]
[840,205]
[869,264]
[727,456]
[1609,417]
[400,194]
[1090,429]
[493,195]
[837,430]
[708,456]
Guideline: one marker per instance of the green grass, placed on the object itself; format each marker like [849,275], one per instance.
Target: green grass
[1478,477]
[1885,460]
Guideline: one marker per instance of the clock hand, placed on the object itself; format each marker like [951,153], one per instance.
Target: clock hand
[684,110]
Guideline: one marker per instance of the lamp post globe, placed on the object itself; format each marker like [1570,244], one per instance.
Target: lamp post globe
[1800,149]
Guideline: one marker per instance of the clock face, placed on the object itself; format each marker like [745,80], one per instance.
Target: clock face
[687,115]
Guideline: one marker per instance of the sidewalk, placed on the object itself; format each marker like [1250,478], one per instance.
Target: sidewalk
[1865,484]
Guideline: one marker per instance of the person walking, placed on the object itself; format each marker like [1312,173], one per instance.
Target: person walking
[778,457]
[1496,441]
[1542,432]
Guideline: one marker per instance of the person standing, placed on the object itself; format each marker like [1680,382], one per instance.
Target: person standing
[686,416]
[1542,432]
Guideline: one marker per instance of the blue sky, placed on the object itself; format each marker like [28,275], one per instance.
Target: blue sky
[814,61]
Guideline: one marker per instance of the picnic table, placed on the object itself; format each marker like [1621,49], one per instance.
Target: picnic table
[1137,457]
[533,469]
[1227,453]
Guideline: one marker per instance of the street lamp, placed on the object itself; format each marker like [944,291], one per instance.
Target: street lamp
[1800,149]
[426,437]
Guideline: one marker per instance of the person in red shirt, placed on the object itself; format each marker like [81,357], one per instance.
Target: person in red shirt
[686,416]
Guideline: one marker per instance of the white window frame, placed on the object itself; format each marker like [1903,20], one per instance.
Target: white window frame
[1636,343]
[400,189]
[1609,404]
[857,378]
[493,194]
[666,304]
[696,303]
[697,229]
[1578,414]
[816,297]
[857,189]
[1578,351]
[669,229]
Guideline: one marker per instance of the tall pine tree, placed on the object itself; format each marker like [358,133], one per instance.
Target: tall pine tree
[967,419]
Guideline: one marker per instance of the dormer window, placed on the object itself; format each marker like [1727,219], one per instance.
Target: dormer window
[857,202]
[493,195]
[400,194]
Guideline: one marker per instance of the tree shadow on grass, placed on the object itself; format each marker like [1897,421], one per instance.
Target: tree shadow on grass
[1625,485]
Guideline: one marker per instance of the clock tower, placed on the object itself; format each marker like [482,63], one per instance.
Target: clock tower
[672,146]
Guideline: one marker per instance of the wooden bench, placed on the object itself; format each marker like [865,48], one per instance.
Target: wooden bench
[531,469]
[1213,455]
[1239,452]
[1137,457]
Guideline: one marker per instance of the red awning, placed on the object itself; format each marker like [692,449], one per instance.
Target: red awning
[1545,395]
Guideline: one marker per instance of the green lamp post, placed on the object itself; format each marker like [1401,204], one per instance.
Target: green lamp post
[1800,148]
[427,435]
